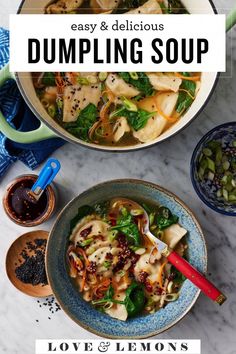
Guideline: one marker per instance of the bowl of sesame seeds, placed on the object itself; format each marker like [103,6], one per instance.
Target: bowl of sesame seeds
[25,264]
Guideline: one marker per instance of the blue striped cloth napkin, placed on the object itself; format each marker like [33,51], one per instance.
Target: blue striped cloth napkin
[19,115]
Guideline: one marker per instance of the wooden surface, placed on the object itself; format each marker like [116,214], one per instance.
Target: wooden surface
[13,257]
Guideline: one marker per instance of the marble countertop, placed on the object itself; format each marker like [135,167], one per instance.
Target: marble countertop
[166,164]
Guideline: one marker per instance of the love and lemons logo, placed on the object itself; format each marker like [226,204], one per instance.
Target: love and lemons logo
[118,346]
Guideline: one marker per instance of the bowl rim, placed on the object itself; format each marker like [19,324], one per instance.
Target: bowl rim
[124,181]
[193,167]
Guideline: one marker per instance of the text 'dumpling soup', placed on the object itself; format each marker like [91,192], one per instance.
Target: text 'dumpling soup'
[117,108]
[114,265]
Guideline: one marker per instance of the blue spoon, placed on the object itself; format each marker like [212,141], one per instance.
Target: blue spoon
[46,176]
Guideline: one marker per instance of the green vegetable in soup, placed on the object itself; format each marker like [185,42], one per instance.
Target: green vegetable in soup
[164,8]
[59,103]
[135,299]
[86,242]
[178,277]
[85,121]
[52,110]
[137,120]
[83,81]
[112,234]
[134,75]
[102,209]
[102,76]
[107,264]
[176,7]
[165,218]
[217,165]
[185,98]
[108,297]
[129,105]
[110,292]
[49,79]
[142,83]
[127,226]
[126,5]
[83,211]
[147,208]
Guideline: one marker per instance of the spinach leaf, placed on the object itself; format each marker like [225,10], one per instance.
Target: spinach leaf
[147,208]
[49,79]
[127,226]
[176,7]
[85,121]
[110,293]
[179,278]
[135,299]
[102,208]
[185,100]
[108,297]
[82,212]
[142,83]
[126,5]
[165,218]
[137,120]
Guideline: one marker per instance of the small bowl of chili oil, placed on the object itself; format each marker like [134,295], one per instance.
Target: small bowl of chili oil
[21,208]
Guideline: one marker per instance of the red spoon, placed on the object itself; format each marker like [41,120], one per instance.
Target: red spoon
[174,258]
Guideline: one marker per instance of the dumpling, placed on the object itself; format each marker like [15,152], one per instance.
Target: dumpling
[173,234]
[104,6]
[121,127]
[99,257]
[164,82]
[144,265]
[64,6]
[118,311]
[76,98]
[108,4]
[119,87]
[89,230]
[150,7]
[157,123]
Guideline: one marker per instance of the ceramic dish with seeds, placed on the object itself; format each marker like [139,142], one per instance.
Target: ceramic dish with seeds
[25,264]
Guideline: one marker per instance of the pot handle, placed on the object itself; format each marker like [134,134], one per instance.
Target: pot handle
[42,133]
[231,19]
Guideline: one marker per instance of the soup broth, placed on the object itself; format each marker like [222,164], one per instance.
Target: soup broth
[116,108]
[113,263]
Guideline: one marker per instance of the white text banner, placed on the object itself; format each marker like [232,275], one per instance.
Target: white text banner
[117,43]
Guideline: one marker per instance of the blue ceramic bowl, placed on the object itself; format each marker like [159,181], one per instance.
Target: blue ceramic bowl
[83,313]
[207,190]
